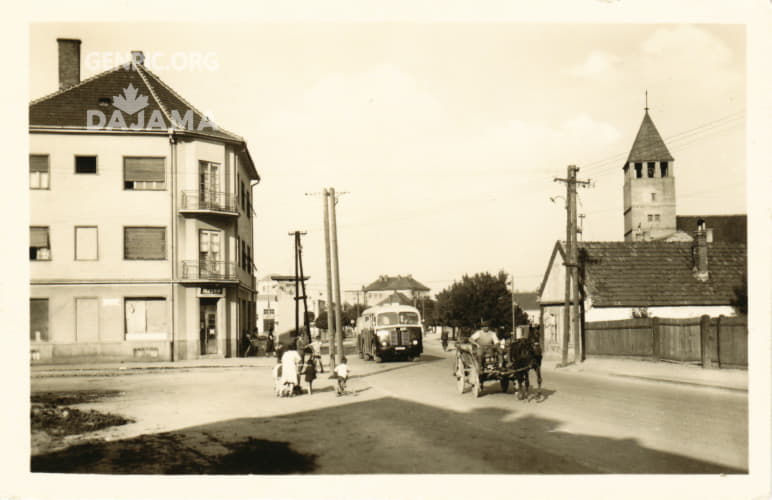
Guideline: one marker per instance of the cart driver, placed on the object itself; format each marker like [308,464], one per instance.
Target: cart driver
[485,337]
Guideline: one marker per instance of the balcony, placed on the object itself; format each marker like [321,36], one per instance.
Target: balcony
[209,271]
[209,203]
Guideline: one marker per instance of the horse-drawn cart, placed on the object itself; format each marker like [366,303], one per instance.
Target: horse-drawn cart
[507,364]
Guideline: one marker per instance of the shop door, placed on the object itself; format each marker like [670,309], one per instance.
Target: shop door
[208,308]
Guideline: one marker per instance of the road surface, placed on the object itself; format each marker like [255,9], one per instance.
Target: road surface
[404,418]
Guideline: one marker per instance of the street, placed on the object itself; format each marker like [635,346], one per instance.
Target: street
[401,418]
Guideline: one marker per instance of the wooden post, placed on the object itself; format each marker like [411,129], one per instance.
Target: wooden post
[718,340]
[655,335]
[327,258]
[705,344]
[336,278]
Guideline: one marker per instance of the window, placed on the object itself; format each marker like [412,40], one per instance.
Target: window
[650,169]
[145,316]
[39,172]
[663,168]
[243,254]
[243,197]
[85,164]
[86,243]
[249,204]
[38,320]
[144,243]
[653,196]
[638,170]
[144,174]
[249,259]
[656,217]
[39,244]
[650,217]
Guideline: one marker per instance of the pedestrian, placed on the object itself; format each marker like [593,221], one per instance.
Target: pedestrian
[309,369]
[341,373]
[277,383]
[269,343]
[316,347]
[290,362]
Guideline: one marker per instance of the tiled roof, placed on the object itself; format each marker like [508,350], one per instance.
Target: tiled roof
[648,145]
[726,228]
[385,283]
[397,297]
[68,108]
[527,300]
[658,273]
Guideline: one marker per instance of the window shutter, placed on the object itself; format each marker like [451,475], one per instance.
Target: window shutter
[38,163]
[143,169]
[145,243]
[38,237]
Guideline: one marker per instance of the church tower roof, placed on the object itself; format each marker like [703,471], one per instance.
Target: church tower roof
[648,145]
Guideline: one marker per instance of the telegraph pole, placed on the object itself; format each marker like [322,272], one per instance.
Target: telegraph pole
[571,308]
[300,288]
[330,315]
[336,278]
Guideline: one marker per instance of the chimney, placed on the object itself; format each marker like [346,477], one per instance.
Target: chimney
[700,252]
[138,57]
[69,62]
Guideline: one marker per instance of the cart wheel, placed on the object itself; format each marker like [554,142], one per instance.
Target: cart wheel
[461,383]
[476,382]
[377,358]
[504,384]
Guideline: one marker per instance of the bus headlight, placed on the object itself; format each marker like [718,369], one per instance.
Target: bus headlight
[384,343]
[415,342]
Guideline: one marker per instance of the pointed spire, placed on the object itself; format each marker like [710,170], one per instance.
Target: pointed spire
[646,99]
[648,144]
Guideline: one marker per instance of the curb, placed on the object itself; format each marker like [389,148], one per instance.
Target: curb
[679,382]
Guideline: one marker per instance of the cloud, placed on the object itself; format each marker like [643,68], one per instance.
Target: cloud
[598,64]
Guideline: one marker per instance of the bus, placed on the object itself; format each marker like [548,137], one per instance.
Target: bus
[389,331]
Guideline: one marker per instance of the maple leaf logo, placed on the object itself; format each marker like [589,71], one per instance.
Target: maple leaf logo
[129,102]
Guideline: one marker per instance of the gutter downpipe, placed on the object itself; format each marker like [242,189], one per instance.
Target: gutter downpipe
[173,148]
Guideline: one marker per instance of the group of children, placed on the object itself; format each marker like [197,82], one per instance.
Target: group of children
[290,366]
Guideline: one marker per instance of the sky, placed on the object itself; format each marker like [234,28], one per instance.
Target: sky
[444,137]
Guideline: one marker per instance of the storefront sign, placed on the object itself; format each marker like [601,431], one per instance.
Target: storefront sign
[210,292]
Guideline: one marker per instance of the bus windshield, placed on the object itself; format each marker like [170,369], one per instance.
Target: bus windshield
[398,318]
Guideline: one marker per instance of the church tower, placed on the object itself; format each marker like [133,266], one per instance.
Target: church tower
[649,189]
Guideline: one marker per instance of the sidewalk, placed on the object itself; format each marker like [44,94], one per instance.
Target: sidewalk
[658,371]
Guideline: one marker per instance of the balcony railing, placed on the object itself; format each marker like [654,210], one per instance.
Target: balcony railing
[209,201]
[208,270]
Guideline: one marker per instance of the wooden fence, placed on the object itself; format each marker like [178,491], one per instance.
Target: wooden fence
[711,342]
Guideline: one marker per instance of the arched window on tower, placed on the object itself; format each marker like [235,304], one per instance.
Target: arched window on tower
[663,168]
[650,169]
[638,170]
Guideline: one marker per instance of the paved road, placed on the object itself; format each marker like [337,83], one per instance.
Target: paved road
[406,418]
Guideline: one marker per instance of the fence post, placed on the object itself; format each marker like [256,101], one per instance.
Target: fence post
[705,344]
[655,338]
[718,340]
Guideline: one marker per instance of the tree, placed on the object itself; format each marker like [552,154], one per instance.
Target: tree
[740,300]
[482,297]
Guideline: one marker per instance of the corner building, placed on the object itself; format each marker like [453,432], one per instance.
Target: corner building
[141,222]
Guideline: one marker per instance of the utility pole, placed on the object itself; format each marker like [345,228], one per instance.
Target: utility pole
[300,288]
[330,315]
[571,308]
[336,278]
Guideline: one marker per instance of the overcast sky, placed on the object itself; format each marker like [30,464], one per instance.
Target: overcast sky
[445,136]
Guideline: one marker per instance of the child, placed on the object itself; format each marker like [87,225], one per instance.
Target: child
[341,373]
[309,369]
[277,383]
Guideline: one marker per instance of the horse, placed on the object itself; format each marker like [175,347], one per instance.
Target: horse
[525,355]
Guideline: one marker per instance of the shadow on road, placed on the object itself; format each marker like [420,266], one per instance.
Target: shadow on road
[385,435]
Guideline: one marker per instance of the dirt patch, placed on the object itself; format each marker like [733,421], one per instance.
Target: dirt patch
[65,421]
[176,453]
[72,398]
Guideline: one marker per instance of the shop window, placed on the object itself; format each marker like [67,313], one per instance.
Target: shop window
[38,320]
[39,244]
[145,315]
[650,217]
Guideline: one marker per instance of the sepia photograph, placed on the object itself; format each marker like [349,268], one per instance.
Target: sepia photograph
[370,251]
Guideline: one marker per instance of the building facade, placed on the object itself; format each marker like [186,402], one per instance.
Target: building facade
[384,286]
[276,304]
[141,222]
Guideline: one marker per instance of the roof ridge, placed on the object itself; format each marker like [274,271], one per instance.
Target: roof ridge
[155,96]
[185,101]
[82,82]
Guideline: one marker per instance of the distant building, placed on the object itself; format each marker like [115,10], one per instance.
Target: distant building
[276,303]
[528,302]
[384,286]
[141,222]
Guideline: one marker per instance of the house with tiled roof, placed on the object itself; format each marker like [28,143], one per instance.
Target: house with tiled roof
[384,286]
[397,298]
[528,302]
[664,279]
[141,221]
